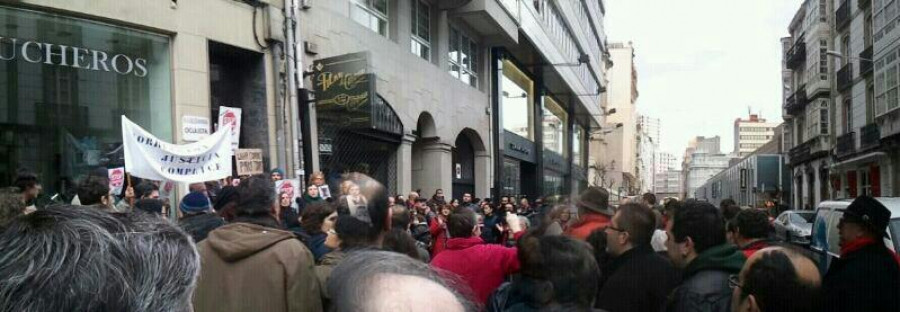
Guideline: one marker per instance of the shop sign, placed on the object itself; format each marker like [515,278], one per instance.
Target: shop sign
[150,158]
[519,148]
[230,117]
[74,57]
[194,128]
[249,161]
[345,93]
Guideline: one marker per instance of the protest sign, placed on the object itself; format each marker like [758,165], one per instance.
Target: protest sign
[290,188]
[230,118]
[249,161]
[150,158]
[116,179]
[194,128]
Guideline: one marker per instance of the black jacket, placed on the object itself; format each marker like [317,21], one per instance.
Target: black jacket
[705,285]
[199,225]
[522,296]
[638,280]
[864,280]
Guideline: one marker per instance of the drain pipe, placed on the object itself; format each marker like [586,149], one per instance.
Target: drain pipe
[292,63]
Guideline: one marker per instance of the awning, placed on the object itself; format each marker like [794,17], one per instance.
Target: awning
[859,159]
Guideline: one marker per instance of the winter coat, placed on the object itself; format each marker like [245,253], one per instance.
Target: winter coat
[323,272]
[481,266]
[199,225]
[305,200]
[521,296]
[316,244]
[865,279]
[248,267]
[489,233]
[753,247]
[439,234]
[705,286]
[638,280]
[587,224]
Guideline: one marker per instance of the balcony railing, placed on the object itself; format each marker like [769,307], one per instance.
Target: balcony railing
[809,150]
[796,55]
[842,16]
[796,102]
[869,137]
[865,62]
[846,145]
[845,77]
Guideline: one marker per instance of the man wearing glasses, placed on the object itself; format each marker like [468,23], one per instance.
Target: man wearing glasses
[776,279]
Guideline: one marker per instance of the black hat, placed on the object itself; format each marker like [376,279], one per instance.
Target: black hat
[595,199]
[867,211]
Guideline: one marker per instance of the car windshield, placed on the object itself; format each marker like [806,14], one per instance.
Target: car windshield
[895,233]
[802,217]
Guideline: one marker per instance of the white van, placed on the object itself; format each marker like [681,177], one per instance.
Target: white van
[825,239]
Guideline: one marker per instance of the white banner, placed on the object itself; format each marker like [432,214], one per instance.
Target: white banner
[150,158]
[116,179]
[230,118]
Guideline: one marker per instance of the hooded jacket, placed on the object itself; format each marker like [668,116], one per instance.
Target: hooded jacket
[705,284]
[481,266]
[248,267]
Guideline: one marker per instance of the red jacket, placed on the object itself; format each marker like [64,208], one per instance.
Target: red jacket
[438,236]
[481,266]
[587,224]
[753,247]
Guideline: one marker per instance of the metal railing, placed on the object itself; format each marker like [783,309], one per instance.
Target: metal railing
[846,145]
[796,55]
[865,61]
[869,137]
[845,77]
[842,16]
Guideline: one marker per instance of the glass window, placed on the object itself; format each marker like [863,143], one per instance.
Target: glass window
[511,178]
[372,14]
[60,114]
[463,57]
[554,126]
[421,29]
[577,144]
[516,97]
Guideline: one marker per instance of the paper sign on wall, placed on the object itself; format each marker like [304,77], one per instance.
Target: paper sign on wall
[249,161]
[194,128]
[230,117]
[116,179]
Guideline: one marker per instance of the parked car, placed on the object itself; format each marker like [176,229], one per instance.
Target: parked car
[826,240]
[794,226]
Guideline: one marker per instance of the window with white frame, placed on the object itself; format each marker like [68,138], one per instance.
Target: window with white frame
[420,19]
[823,118]
[823,59]
[865,184]
[372,14]
[886,83]
[463,57]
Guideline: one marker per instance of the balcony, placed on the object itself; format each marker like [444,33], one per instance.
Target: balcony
[796,55]
[796,102]
[845,77]
[491,17]
[813,148]
[865,62]
[863,4]
[869,137]
[842,16]
[846,145]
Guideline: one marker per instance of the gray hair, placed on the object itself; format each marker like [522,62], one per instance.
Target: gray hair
[351,282]
[68,258]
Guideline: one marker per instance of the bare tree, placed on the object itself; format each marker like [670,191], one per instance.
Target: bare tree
[602,174]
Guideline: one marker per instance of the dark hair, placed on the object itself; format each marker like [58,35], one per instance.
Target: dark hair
[145,188]
[149,205]
[11,204]
[400,241]
[421,200]
[461,223]
[66,258]
[256,196]
[400,218]
[597,240]
[25,180]
[774,282]
[727,202]
[639,221]
[93,189]
[700,221]
[671,207]
[314,215]
[650,198]
[541,258]
[752,223]
[730,211]
[227,195]
[353,232]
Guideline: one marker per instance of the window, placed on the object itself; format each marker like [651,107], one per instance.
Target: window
[372,14]
[845,50]
[823,118]
[848,115]
[823,59]
[554,123]
[421,29]
[866,184]
[867,31]
[463,57]
[516,100]
[577,143]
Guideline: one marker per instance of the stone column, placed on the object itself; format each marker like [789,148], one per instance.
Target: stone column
[482,178]
[437,161]
[404,165]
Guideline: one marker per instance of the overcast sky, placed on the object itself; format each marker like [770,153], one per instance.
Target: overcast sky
[701,63]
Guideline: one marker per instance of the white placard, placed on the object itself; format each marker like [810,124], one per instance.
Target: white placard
[194,128]
[230,117]
[150,158]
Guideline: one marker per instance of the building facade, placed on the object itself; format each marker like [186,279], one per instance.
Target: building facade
[882,168]
[668,184]
[751,133]
[703,159]
[750,182]
[491,97]
[617,167]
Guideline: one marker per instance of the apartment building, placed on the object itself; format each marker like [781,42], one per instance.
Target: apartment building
[751,133]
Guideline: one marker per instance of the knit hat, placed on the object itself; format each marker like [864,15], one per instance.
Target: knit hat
[194,203]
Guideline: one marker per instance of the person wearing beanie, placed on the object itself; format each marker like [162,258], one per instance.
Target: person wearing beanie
[197,217]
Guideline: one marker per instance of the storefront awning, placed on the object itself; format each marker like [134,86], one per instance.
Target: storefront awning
[859,159]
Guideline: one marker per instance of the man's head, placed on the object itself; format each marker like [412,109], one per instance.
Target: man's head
[65,258]
[28,185]
[467,198]
[504,200]
[727,202]
[865,217]
[256,197]
[277,174]
[541,258]
[94,190]
[195,203]
[413,196]
[384,281]
[594,200]
[649,199]
[696,227]
[349,233]
[146,189]
[631,227]
[750,225]
[400,218]
[776,279]
[198,187]
[729,212]
[463,224]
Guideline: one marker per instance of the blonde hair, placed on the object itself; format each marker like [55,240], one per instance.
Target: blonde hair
[317,174]
[345,186]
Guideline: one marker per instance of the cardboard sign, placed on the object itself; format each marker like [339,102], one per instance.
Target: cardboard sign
[230,118]
[148,157]
[194,128]
[249,161]
[116,179]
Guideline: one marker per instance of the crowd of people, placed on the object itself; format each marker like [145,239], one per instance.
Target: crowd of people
[248,247]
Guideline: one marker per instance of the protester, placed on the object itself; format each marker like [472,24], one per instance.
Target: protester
[317,220]
[150,205]
[490,232]
[400,238]
[454,203]
[11,205]
[287,214]
[412,199]
[439,230]
[349,234]
[727,202]
[146,189]
[67,258]
[274,270]
[697,245]
[593,212]
[382,281]
[469,202]
[277,174]
[226,202]
[94,192]
[777,279]
[866,277]
[29,188]
[504,200]
[197,218]
[437,199]
[658,241]
[729,212]
[649,199]
[509,208]
[524,207]
[481,266]
[751,230]
[558,274]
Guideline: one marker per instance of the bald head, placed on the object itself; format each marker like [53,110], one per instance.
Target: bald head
[777,279]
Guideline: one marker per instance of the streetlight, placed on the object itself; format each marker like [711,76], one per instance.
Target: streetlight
[841,56]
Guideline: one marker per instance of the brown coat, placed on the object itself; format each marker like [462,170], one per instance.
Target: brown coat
[248,267]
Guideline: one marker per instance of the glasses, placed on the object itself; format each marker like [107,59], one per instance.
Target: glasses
[611,227]
[734,281]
